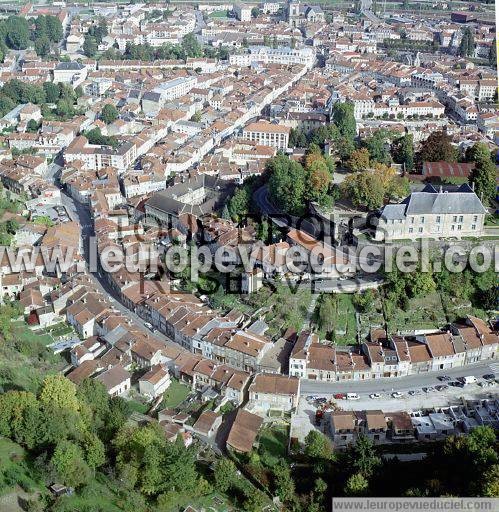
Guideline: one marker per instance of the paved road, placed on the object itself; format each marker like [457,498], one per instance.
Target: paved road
[402,384]
[80,213]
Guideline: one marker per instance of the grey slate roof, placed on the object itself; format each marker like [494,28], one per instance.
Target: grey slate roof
[430,202]
[69,66]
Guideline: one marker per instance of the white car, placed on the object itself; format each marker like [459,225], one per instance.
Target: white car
[397,394]
[374,395]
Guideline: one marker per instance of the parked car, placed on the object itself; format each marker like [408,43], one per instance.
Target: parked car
[441,387]
[414,392]
[428,389]
[311,398]
[444,378]
[374,395]
[469,379]
[339,396]
[489,376]
[397,394]
[456,384]
[353,396]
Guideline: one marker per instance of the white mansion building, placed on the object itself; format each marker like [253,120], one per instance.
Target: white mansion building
[433,214]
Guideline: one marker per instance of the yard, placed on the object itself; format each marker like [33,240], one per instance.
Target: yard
[58,330]
[341,313]
[282,305]
[273,444]
[422,313]
[22,332]
[176,393]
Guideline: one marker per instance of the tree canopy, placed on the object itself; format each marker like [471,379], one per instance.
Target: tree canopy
[483,176]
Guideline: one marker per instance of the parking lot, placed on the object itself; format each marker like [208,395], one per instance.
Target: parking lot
[56,213]
[304,419]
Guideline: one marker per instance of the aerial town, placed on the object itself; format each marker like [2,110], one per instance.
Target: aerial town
[248,254]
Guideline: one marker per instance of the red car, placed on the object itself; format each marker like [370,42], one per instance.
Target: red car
[340,396]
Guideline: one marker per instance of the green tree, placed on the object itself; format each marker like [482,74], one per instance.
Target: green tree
[196,117]
[467,45]
[362,457]
[92,395]
[109,113]
[32,126]
[224,473]
[255,11]
[483,176]
[364,189]
[317,446]
[359,160]
[58,391]
[51,92]
[318,176]
[327,313]
[225,212]
[403,151]
[493,54]
[283,482]
[89,46]
[191,46]
[365,301]
[42,46]
[287,184]
[54,28]
[64,109]
[93,448]
[356,485]
[239,203]
[16,32]
[344,119]
[377,147]
[438,147]
[490,486]
[70,465]
[6,105]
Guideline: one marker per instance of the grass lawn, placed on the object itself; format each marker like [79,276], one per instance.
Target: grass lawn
[423,313]
[175,394]
[218,14]
[137,406]
[273,444]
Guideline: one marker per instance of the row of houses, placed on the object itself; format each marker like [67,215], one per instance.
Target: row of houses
[395,427]
[386,356]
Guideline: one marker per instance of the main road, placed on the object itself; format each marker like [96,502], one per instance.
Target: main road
[81,214]
[402,384]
